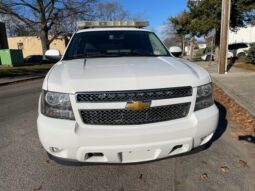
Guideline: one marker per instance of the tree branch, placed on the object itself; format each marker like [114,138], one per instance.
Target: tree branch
[29,5]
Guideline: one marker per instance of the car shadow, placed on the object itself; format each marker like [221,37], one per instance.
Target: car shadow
[221,128]
[222,124]
[231,63]
[229,66]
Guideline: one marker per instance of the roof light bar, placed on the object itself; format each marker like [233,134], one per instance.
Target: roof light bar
[102,24]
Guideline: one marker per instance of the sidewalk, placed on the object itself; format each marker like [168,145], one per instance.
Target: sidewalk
[238,83]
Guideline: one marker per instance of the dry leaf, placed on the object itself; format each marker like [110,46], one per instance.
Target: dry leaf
[204,176]
[38,189]
[244,164]
[235,113]
[224,169]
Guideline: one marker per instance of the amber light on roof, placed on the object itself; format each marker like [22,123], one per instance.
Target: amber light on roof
[101,24]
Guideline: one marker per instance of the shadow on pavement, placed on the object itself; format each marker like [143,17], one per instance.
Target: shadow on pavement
[222,124]
[221,128]
[229,66]
[248,138]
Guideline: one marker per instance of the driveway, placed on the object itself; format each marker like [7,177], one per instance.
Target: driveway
[227,164]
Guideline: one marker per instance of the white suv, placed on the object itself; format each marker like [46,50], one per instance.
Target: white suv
[118,96]
[238,50]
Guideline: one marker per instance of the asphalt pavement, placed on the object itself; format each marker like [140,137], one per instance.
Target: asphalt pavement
[227,164]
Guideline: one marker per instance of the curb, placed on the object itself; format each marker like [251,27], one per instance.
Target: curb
[231,94]
[19,81]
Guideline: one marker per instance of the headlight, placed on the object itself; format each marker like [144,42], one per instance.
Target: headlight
[56,105]
[204,97]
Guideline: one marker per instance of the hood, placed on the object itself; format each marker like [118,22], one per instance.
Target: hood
[123,73]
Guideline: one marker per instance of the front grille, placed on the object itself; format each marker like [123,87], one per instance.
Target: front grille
[154,94]
[133,117]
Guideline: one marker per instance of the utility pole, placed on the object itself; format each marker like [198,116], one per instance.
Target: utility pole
[225,16]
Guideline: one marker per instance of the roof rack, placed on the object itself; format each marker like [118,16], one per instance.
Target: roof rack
[104,24]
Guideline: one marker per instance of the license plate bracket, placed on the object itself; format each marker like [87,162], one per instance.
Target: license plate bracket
[140,155]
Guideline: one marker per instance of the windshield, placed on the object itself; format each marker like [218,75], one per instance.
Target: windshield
[114,44]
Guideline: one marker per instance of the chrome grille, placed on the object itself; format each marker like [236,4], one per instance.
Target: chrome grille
[118,96]
[133,117]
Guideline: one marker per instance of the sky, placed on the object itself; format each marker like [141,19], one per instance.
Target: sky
[155,11]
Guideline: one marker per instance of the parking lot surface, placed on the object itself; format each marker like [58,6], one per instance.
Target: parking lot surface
[227,164]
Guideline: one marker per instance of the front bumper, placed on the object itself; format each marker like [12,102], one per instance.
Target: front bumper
[126,144]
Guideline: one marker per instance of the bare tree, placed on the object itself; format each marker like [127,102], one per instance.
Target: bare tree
[111,11]
[15,27]
[44,17]
[173,40]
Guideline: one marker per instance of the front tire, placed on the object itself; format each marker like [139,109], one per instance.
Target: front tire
[208,58]
[241,55]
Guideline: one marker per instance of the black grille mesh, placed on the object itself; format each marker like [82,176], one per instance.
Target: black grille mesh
[133,117]
[134,95]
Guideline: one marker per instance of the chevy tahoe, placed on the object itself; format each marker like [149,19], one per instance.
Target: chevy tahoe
[117,95]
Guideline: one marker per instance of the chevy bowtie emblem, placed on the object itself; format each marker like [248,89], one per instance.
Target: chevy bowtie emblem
[138,105]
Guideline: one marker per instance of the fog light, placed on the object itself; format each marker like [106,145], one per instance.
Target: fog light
[55,149]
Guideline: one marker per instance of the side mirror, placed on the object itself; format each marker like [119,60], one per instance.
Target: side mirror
[53,54]
[175,51]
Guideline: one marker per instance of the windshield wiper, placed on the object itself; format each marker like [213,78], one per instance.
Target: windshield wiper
[85,55]
[136,54]
[113,54]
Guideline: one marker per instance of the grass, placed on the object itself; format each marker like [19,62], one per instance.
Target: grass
[32,69]
[245,66]
[242,64]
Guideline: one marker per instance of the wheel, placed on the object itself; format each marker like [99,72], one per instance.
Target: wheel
[241,54]
[208,58]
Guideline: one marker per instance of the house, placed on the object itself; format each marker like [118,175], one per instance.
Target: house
[31,45]
[242,35]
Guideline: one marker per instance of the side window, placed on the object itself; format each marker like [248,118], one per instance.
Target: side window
[39,58]
[157,47]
